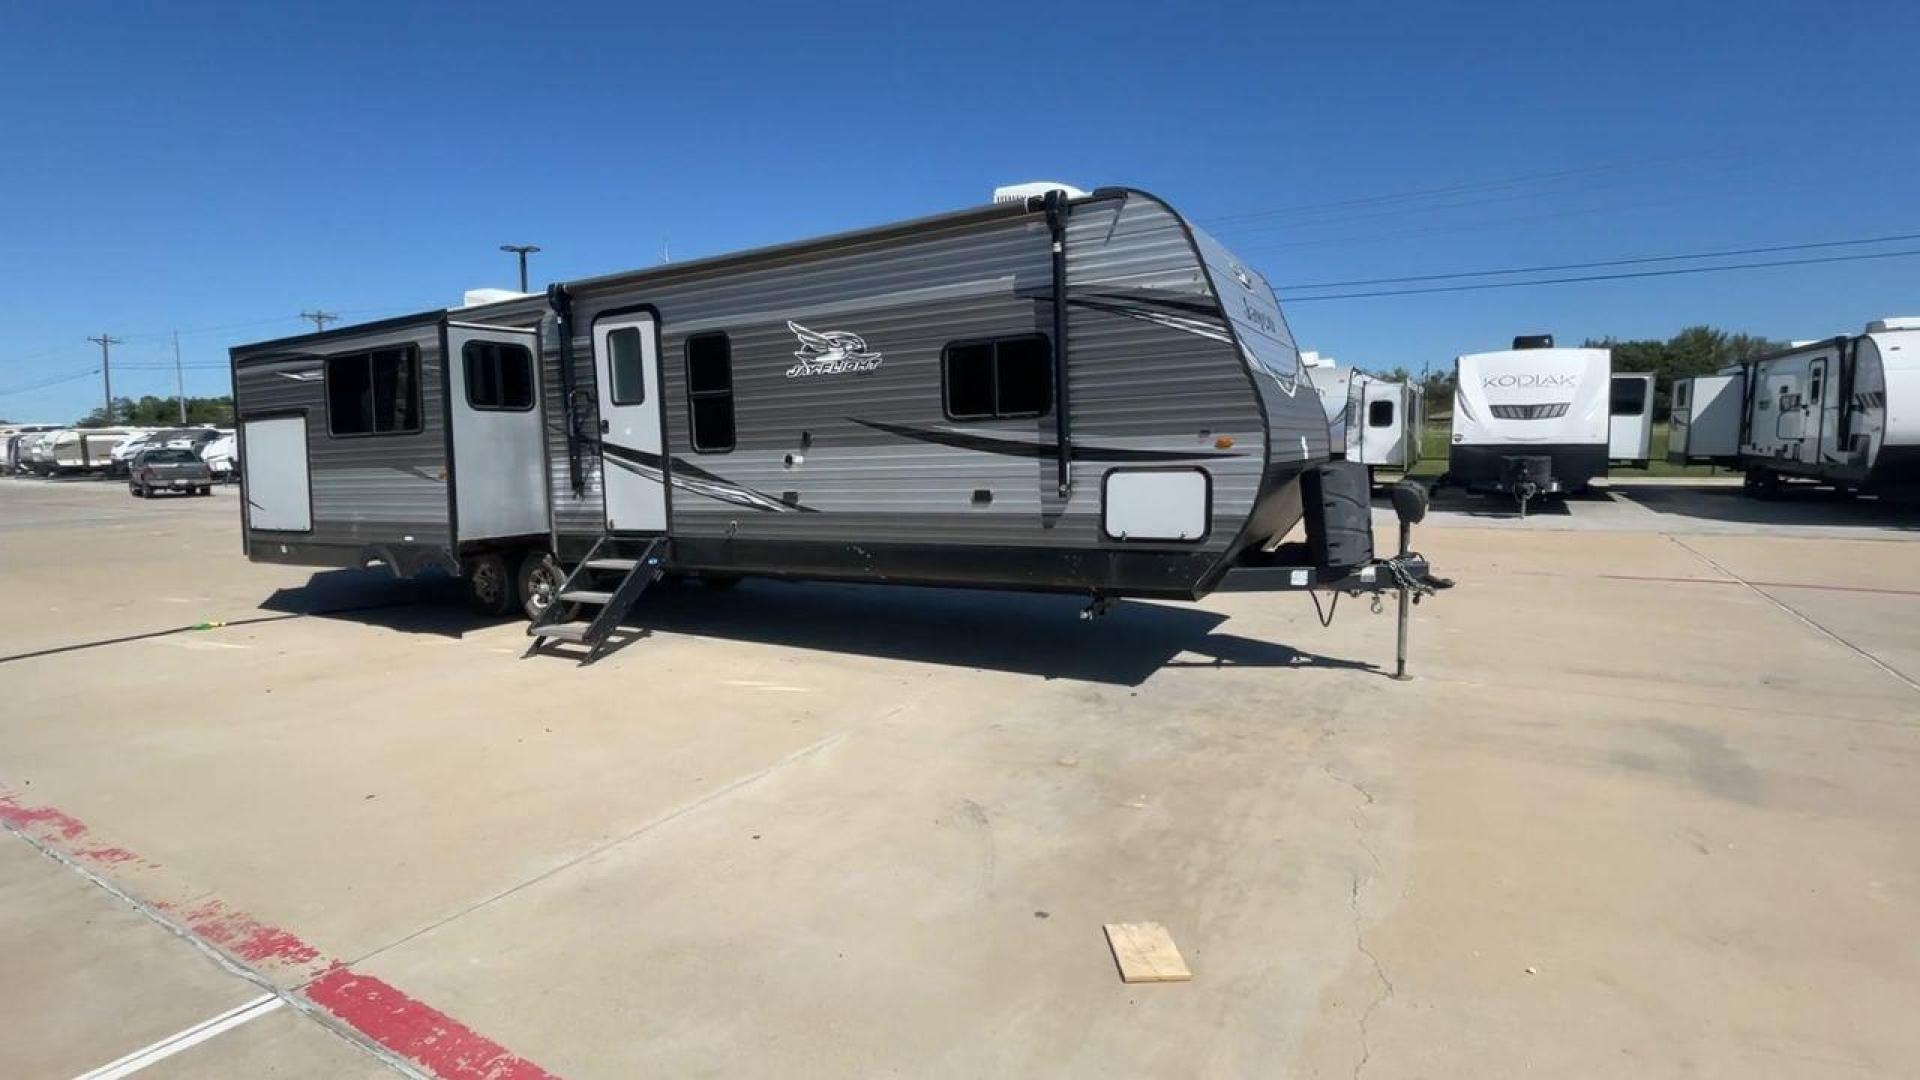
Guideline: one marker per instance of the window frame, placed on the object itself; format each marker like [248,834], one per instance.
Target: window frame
[533,375]
[993,367]
[410,358]
[1374,406]
[686,362]
[613,384]
[1643,391]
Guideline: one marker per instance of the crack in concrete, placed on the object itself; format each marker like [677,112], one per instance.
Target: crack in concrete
[1359,922]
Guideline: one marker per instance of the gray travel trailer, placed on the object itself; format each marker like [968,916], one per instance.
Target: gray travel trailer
[1530,421]
[1842,412]
[1058,392]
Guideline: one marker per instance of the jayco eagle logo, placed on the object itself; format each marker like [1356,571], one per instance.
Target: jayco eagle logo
[834,352]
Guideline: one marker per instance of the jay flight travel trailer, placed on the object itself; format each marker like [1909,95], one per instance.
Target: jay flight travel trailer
[1630,419]
[1371,421]
[1530,421]
[1843,412]
[1057,392]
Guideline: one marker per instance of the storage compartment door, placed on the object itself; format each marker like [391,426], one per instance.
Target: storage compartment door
[1156,504]
[274,475]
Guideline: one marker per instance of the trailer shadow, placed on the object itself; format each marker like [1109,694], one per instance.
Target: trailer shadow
[1020,633]
[1795,505]
[429,604]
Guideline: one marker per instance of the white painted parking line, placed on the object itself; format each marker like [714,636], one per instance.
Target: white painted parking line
[193,1036]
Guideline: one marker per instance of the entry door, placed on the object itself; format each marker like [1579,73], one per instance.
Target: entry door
[499,452]
[626,351]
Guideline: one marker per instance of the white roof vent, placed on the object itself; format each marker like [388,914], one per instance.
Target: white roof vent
[476,297]
[1902,322]
[1019,193]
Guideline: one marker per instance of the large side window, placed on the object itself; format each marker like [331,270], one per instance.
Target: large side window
[499,375]
[374,393]
[710,392]
[1380,412]
[1629,397]
[998,379]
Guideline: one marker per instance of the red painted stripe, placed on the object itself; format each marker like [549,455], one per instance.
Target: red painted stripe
[412,1029]
[417,1031]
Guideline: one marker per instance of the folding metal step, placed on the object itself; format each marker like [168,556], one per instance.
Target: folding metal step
[611,564]
[597,627]
[586,596]
[566,631]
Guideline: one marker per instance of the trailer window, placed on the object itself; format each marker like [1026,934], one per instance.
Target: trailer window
[374,393]
[499,375]
[626,366]
[1629,397]
[999,379]
[710,392]
[1380,413]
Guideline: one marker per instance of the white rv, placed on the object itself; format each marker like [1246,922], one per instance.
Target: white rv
[1630,419]
[1531,420]
[80,450]
[1369,420]
[1844,412]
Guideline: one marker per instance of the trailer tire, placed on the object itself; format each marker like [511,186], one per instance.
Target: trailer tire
[1761,484]
[540,579]
[490,585]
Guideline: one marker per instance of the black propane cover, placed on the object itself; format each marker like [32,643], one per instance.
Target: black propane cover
[1339,510]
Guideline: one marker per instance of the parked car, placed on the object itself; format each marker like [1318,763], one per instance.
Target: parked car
[168,469]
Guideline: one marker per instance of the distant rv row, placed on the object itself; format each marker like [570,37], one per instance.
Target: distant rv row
[1843,412]
[51,450]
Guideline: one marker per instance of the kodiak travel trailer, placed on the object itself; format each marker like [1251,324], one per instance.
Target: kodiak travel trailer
[1843,412]
[1059,392]
[1530,421]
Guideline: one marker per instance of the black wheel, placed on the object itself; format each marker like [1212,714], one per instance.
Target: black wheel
[206,489]
[540,581]
[490,585]
[133,489]
[1761,484]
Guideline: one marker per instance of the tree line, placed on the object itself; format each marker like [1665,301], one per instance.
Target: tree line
[150,411]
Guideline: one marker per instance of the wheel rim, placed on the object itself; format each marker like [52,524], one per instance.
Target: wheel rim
[486,583]
[541,587]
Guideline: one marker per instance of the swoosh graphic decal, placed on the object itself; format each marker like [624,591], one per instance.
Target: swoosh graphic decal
[1019,448]
[688,477]
[1212,331]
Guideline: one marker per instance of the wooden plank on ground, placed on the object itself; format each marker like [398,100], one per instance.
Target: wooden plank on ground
[1145,953]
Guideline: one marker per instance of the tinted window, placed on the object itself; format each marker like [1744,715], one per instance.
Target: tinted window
[1380,413]
[374,393]
[710,392]
[499,375]
[1629,397]
[169,457]
[1001,379]
[627,365]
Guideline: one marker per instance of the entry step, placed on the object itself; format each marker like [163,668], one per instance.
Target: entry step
[586,596]
[566,631]
[612,564]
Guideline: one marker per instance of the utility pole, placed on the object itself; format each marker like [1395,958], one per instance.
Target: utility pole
[522,250]
[179,378]
[107,342]
[320,318]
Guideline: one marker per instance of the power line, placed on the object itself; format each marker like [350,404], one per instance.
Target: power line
[44,383]
[1608,262]
[1608,277]
[1422,193]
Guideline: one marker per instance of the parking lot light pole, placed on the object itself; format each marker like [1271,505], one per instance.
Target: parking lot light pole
[522,250]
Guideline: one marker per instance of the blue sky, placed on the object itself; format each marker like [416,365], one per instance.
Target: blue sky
[218,168]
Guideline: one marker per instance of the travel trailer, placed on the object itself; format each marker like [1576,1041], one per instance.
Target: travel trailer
[1065,392]
[1530,421]
[1630,419]
[1843,412]
[1372,421]
[1385,425]
[81,450]
[15,442]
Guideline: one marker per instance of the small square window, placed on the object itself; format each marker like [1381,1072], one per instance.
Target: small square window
[499,375]
[373,393]
[1380,413]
